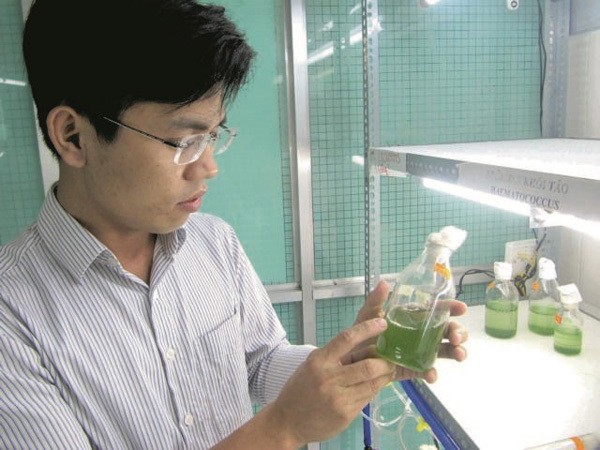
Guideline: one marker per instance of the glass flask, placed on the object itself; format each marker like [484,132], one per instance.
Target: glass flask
[501,303]
[544,299]
[417,310]
[568,334]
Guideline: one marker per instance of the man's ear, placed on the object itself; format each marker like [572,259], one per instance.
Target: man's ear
[65,128]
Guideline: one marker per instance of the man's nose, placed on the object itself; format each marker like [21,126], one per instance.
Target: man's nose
[204,167]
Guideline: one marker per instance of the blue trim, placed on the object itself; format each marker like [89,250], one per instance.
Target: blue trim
[367,426]
[439,430]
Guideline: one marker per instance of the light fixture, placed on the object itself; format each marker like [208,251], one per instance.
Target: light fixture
[543,218]
[506,204]
[428,3]
[538,217]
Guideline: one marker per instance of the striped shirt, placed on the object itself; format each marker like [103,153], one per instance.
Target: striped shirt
[93,357]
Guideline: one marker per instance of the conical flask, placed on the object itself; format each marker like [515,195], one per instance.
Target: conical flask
[417,310]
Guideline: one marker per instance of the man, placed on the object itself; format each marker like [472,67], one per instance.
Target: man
[126,322]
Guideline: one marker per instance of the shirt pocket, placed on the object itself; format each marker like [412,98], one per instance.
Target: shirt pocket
[224,376]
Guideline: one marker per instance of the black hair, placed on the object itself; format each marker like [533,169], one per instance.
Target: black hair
[102,56]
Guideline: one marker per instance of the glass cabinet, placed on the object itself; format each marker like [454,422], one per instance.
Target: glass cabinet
[477,114]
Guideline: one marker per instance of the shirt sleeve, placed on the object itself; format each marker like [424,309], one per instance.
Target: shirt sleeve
[270,358]
[282,362]
[32,412]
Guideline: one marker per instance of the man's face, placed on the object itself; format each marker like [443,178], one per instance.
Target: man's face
[132,184]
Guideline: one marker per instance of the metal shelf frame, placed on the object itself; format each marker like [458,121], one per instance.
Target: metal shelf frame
[556,175]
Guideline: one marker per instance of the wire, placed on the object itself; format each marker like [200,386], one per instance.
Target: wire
[543,58]
[519,280]
[530,269]
[489,273]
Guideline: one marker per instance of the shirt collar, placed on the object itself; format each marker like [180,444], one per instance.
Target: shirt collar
[74,247]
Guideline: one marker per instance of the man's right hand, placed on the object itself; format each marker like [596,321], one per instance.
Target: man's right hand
[327,391]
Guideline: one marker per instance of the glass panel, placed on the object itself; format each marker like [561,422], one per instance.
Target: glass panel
[454,72]
[252,191]
[336,122]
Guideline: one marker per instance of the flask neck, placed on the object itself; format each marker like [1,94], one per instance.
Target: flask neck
[550,287]
[437,253]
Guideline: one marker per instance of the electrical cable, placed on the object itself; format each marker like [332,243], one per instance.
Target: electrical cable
[530,269]
[459,291]
[543,58]
[519,280]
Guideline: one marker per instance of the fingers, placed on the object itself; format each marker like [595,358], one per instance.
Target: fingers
[367,370]
[364,393]
[456,352]
[456,333]
[337,349]
[369,351]
[378,296]
[457,308]
[402,373]
[373,306]
[451,348]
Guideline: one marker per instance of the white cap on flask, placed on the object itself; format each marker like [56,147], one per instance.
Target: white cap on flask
[547,270]
[569,294]
[502,270]
[451,237]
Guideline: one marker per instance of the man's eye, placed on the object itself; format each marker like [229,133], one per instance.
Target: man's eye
[186,142]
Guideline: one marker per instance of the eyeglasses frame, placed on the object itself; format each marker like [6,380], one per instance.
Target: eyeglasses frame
[179,146]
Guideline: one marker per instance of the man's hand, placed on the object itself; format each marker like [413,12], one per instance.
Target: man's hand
[328,390]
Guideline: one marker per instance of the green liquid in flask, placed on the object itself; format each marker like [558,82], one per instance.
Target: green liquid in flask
[568,338]
[501,318]
[409,340]
[541,319]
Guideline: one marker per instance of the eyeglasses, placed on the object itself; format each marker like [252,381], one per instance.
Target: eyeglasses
[189,149]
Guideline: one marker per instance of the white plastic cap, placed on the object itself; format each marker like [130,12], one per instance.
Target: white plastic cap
[502,270]
[546,268]
[569,294]
[451,237]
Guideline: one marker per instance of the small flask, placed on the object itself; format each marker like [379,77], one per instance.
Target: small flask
[501,303]
[544,300]
[417,310]
[568,334]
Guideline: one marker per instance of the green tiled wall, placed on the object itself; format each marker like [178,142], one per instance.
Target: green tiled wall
[20,176]
[458,71]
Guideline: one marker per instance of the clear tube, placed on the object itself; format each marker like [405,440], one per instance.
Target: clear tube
[398,423]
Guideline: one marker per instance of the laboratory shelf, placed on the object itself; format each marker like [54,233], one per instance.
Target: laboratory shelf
[515,393]
[552,174]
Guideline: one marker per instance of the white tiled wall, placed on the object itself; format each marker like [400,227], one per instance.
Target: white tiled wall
[579,257]
[583,93]
[579,263]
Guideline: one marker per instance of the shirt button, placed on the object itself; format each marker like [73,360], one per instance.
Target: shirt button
[188,420]
[170,354]
[155,296]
